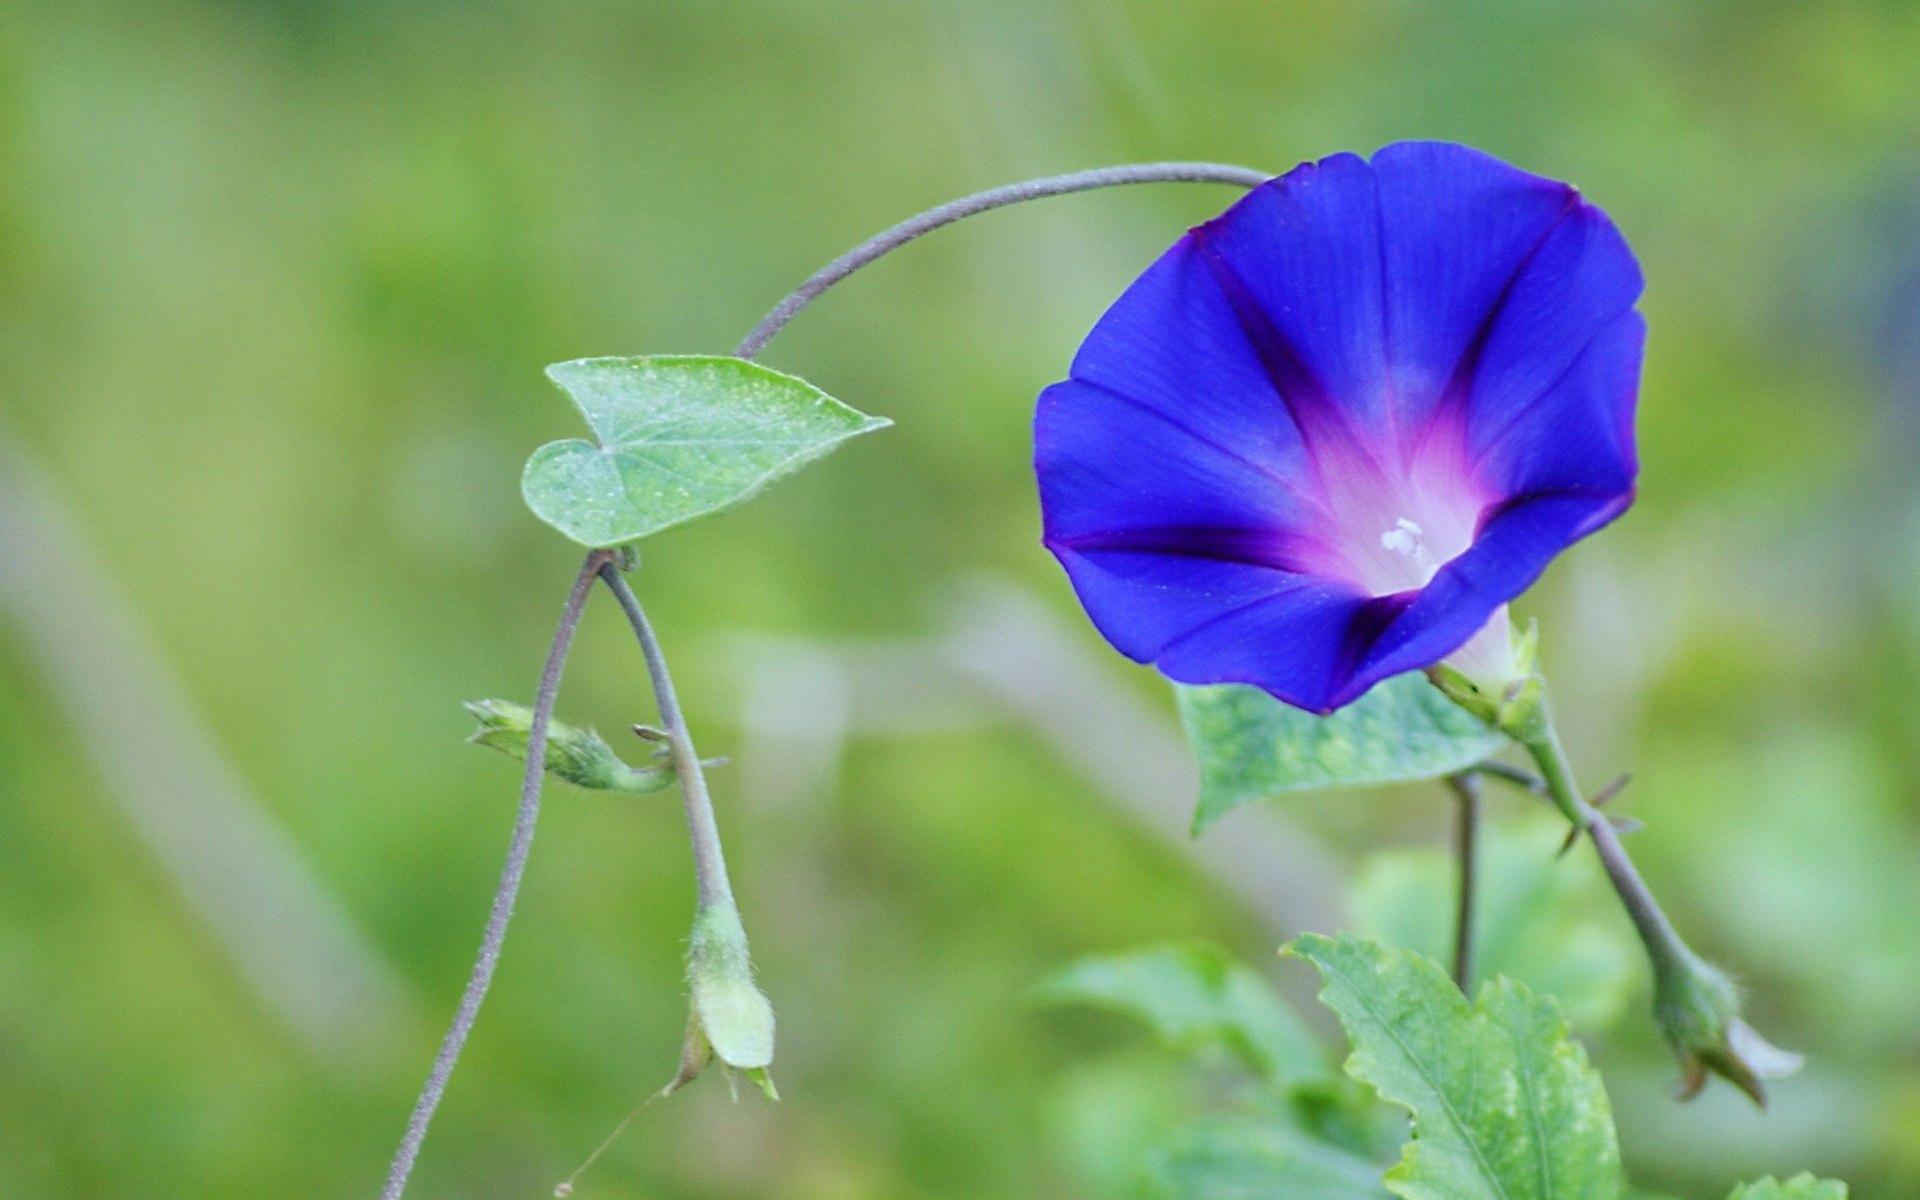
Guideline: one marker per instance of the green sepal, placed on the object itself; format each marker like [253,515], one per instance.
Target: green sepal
[729,1018]
[579,756]
[1698,1009]
[1515,708]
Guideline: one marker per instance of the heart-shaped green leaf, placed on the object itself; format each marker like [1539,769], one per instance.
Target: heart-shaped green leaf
[1250,746]
[680,436]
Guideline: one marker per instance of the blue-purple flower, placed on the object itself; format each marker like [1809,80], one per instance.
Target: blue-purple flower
[1331,433]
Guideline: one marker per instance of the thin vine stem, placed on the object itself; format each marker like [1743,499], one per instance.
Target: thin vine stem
[1663,942]
[1466,844]
[1526,781]
[887,241]
[509,890]
[709,861]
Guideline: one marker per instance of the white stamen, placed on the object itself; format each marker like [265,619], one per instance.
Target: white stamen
[1407,539]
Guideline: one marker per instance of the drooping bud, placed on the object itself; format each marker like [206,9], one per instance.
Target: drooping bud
[579,756]
[1698,1008]
[728,1018]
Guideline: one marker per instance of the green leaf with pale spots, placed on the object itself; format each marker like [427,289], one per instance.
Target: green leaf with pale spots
[1505,1105]
[680,436]
[1251,746]
[1800,1187]
[1195,994]
[1242,1159]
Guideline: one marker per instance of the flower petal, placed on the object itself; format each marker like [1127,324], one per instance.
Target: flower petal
[1144,600]
[1511,552]
[1172,344]
[1297,646]
[1574,290]
[1577,434]
[1110,467]
[1298,260]
[1205,620]
[1371,291]
[1311,643]
[1458,231]
[1359,360]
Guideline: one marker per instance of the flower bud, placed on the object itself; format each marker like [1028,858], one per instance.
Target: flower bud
[729,1018]
[1698,1008]
[1493,677]
[579,756]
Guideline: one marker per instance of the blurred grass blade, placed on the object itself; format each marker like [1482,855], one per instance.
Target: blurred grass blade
[1800,1187]
[243,878]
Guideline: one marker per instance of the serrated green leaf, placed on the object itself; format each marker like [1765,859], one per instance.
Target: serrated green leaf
[1504,1103]
[1252,747]
[680,436]
[1195,994]
[1242,1160]
[1542,920]
[1801,1187]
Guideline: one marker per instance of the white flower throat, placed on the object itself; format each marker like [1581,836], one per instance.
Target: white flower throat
[1390,519]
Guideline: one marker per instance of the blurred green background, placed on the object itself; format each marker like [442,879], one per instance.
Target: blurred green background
[277,280]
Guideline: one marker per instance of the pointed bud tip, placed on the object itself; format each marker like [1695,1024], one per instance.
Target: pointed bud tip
[764,1081]
[1699,1012]
[729,1019]
[579,756]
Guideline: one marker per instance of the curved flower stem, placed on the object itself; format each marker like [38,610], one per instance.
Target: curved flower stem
[710,867]
[1696,1004]
[709,862]
[953,210]
[1665,949]
[509,890]
[1466,788]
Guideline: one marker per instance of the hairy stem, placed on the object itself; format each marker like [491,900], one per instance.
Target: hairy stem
[1526,781]
[906,231]
[1466,788]
[1664,946]
[508,891]
[709,862]
[710,866]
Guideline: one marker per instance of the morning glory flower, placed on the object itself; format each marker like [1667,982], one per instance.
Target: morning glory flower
[1331,433]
